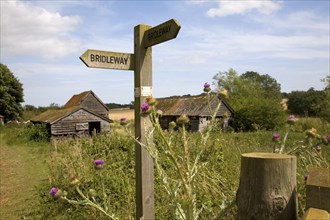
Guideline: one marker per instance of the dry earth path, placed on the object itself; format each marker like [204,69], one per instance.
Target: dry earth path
[21,171]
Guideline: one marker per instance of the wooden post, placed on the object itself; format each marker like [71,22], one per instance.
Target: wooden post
[318,189]
[267,188]
[144,164]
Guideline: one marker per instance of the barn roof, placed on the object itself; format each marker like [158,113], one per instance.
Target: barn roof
[77,99]
[53,115]
[192,105]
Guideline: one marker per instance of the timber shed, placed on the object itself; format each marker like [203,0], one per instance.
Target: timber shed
[77,117]
[196,108]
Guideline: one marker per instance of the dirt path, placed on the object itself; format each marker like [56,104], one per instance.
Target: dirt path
[21,171]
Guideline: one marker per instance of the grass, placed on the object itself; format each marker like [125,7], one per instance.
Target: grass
[23,169]
[25,183]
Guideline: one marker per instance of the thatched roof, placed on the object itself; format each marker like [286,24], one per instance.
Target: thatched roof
[192,105]
[53,115]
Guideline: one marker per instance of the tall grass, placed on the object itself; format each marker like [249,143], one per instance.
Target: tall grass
[217,179]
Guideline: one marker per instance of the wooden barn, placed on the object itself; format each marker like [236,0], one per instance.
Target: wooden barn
[196,108]
[82,114]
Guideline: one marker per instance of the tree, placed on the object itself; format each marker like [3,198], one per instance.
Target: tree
[269,85]
[325,107]
[254,107]
[308,103]
[11,94]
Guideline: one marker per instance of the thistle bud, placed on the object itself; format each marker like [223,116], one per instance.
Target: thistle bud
[326,140]
[92,192]
[207,87]
[172,125]
[145,109]
[151,101]
[183,119]
[276,137]
[223,94]
[123,121]
[159,112]
[98,164]
[311,133]
[291,120]
[74,181]
[55,193]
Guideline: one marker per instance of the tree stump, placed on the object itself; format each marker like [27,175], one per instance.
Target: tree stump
[267,188]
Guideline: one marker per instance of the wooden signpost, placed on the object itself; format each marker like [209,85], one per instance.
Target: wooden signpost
[141,62]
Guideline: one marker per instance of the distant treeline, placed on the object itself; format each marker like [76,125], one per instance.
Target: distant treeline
[116,105]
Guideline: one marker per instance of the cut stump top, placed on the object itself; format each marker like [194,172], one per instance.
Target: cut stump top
[267,155]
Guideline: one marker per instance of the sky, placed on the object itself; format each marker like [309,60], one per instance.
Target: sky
[41,42]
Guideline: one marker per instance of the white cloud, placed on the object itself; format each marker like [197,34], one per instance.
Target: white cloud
[31,30]
[232,7]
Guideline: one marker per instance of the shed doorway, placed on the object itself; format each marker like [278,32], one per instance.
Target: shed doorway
[95,125]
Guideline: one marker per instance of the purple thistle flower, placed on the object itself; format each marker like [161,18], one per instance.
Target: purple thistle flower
[99,162]
[328,138]
[305,177]
[276,136]
[292,117]
[145,107]
[207,85]
[53,191]
[123,121]
[291,120]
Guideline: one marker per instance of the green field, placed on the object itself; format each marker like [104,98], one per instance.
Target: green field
[30,169]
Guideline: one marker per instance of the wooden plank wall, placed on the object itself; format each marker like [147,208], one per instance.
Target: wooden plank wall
[67,125]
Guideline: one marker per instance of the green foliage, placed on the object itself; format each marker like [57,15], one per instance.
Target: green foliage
[269,85]
[217,180]
[325,106]
[255,99]
[36,132]
[30,111]
[308,103]
[74,158]
[11,94]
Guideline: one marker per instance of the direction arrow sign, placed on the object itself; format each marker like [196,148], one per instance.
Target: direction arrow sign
[108,60]
[163,32]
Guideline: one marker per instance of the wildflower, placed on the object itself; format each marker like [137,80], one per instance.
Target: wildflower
[145,109]
[55,192]
[159,112]
[151,101]
[326,140]
[183,119]
[123,121]
[172,125]
[98,164]
[92,192]
[318,148]
[223,94]
[74,181]
[291,120]
[276,137]
[207,87]
[311,133]
[305,177]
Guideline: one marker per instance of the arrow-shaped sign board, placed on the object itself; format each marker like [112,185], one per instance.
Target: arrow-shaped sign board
[163,32]
[108,60]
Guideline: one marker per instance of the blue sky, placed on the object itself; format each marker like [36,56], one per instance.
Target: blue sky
[41,42]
